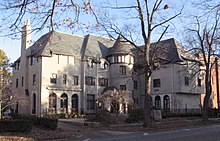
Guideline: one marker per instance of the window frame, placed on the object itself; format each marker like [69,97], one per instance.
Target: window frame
[122,70]
[53,78]
[90,81]
[156,83]
[90,102]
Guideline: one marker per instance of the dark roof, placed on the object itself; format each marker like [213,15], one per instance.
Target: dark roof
[121,46]
[95,45]
[58,43]
[169,50]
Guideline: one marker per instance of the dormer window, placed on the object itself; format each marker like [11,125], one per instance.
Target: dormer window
[103,65]
[90,63]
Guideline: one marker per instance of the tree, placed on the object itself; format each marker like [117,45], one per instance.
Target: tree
[116,98]
[5,81]
[204,40]
[150,17]
[42,13]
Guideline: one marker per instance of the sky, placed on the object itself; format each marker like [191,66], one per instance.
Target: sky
[12,46]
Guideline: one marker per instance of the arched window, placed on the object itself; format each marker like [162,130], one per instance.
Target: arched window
[166,101]
[64,103]
[75,103]
[157,102]
[52,103]
[34,104]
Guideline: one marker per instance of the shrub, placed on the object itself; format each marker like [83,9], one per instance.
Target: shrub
[136,115]
[102,116]
[47,123]
[15,125]
[43,122]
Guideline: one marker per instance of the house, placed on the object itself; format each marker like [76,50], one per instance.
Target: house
[214,100]
[176,80]
[64,73]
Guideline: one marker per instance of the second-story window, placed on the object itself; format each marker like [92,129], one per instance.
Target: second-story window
[156,83]
[34,79]
[90,80]
[122,70]
[75,80]
[64,78]
[53,78]
[103,82]
[186,81]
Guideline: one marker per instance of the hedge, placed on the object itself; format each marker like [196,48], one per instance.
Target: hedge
[15,125]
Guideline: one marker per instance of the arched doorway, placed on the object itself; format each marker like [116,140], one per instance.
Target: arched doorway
[166,102]
[74,103]
[64,103]
[34,101]
[53,103]
[157,102]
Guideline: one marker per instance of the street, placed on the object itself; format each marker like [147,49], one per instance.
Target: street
[205,133]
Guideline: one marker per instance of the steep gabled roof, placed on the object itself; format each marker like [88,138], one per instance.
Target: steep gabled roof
[95,45]
[169,50]
[56,42]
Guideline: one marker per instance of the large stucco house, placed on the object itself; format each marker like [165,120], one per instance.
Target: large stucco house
[65,73]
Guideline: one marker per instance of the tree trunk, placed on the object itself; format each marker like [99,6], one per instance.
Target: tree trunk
[147,103]
[207,95]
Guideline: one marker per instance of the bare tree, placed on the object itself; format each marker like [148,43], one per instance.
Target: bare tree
[203,38]
[42,13]
[149,17]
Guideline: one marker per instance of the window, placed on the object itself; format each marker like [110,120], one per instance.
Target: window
[64,103]
[34,104]
[90,80]
[53,78]
[64,78]
[156,83]
[75,80]
[75,103]
[34,79]
[103,82]
[199,82]
[52,103]
[135,85]
[90,102]
[18,68]
[166,101]
[103,65]
[33,60]
[157,102]
[186,81]
[16,83]
[22,81]
[122,70]
[123,87]
[90,63]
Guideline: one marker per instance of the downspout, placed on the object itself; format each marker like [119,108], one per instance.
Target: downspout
[217,82]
